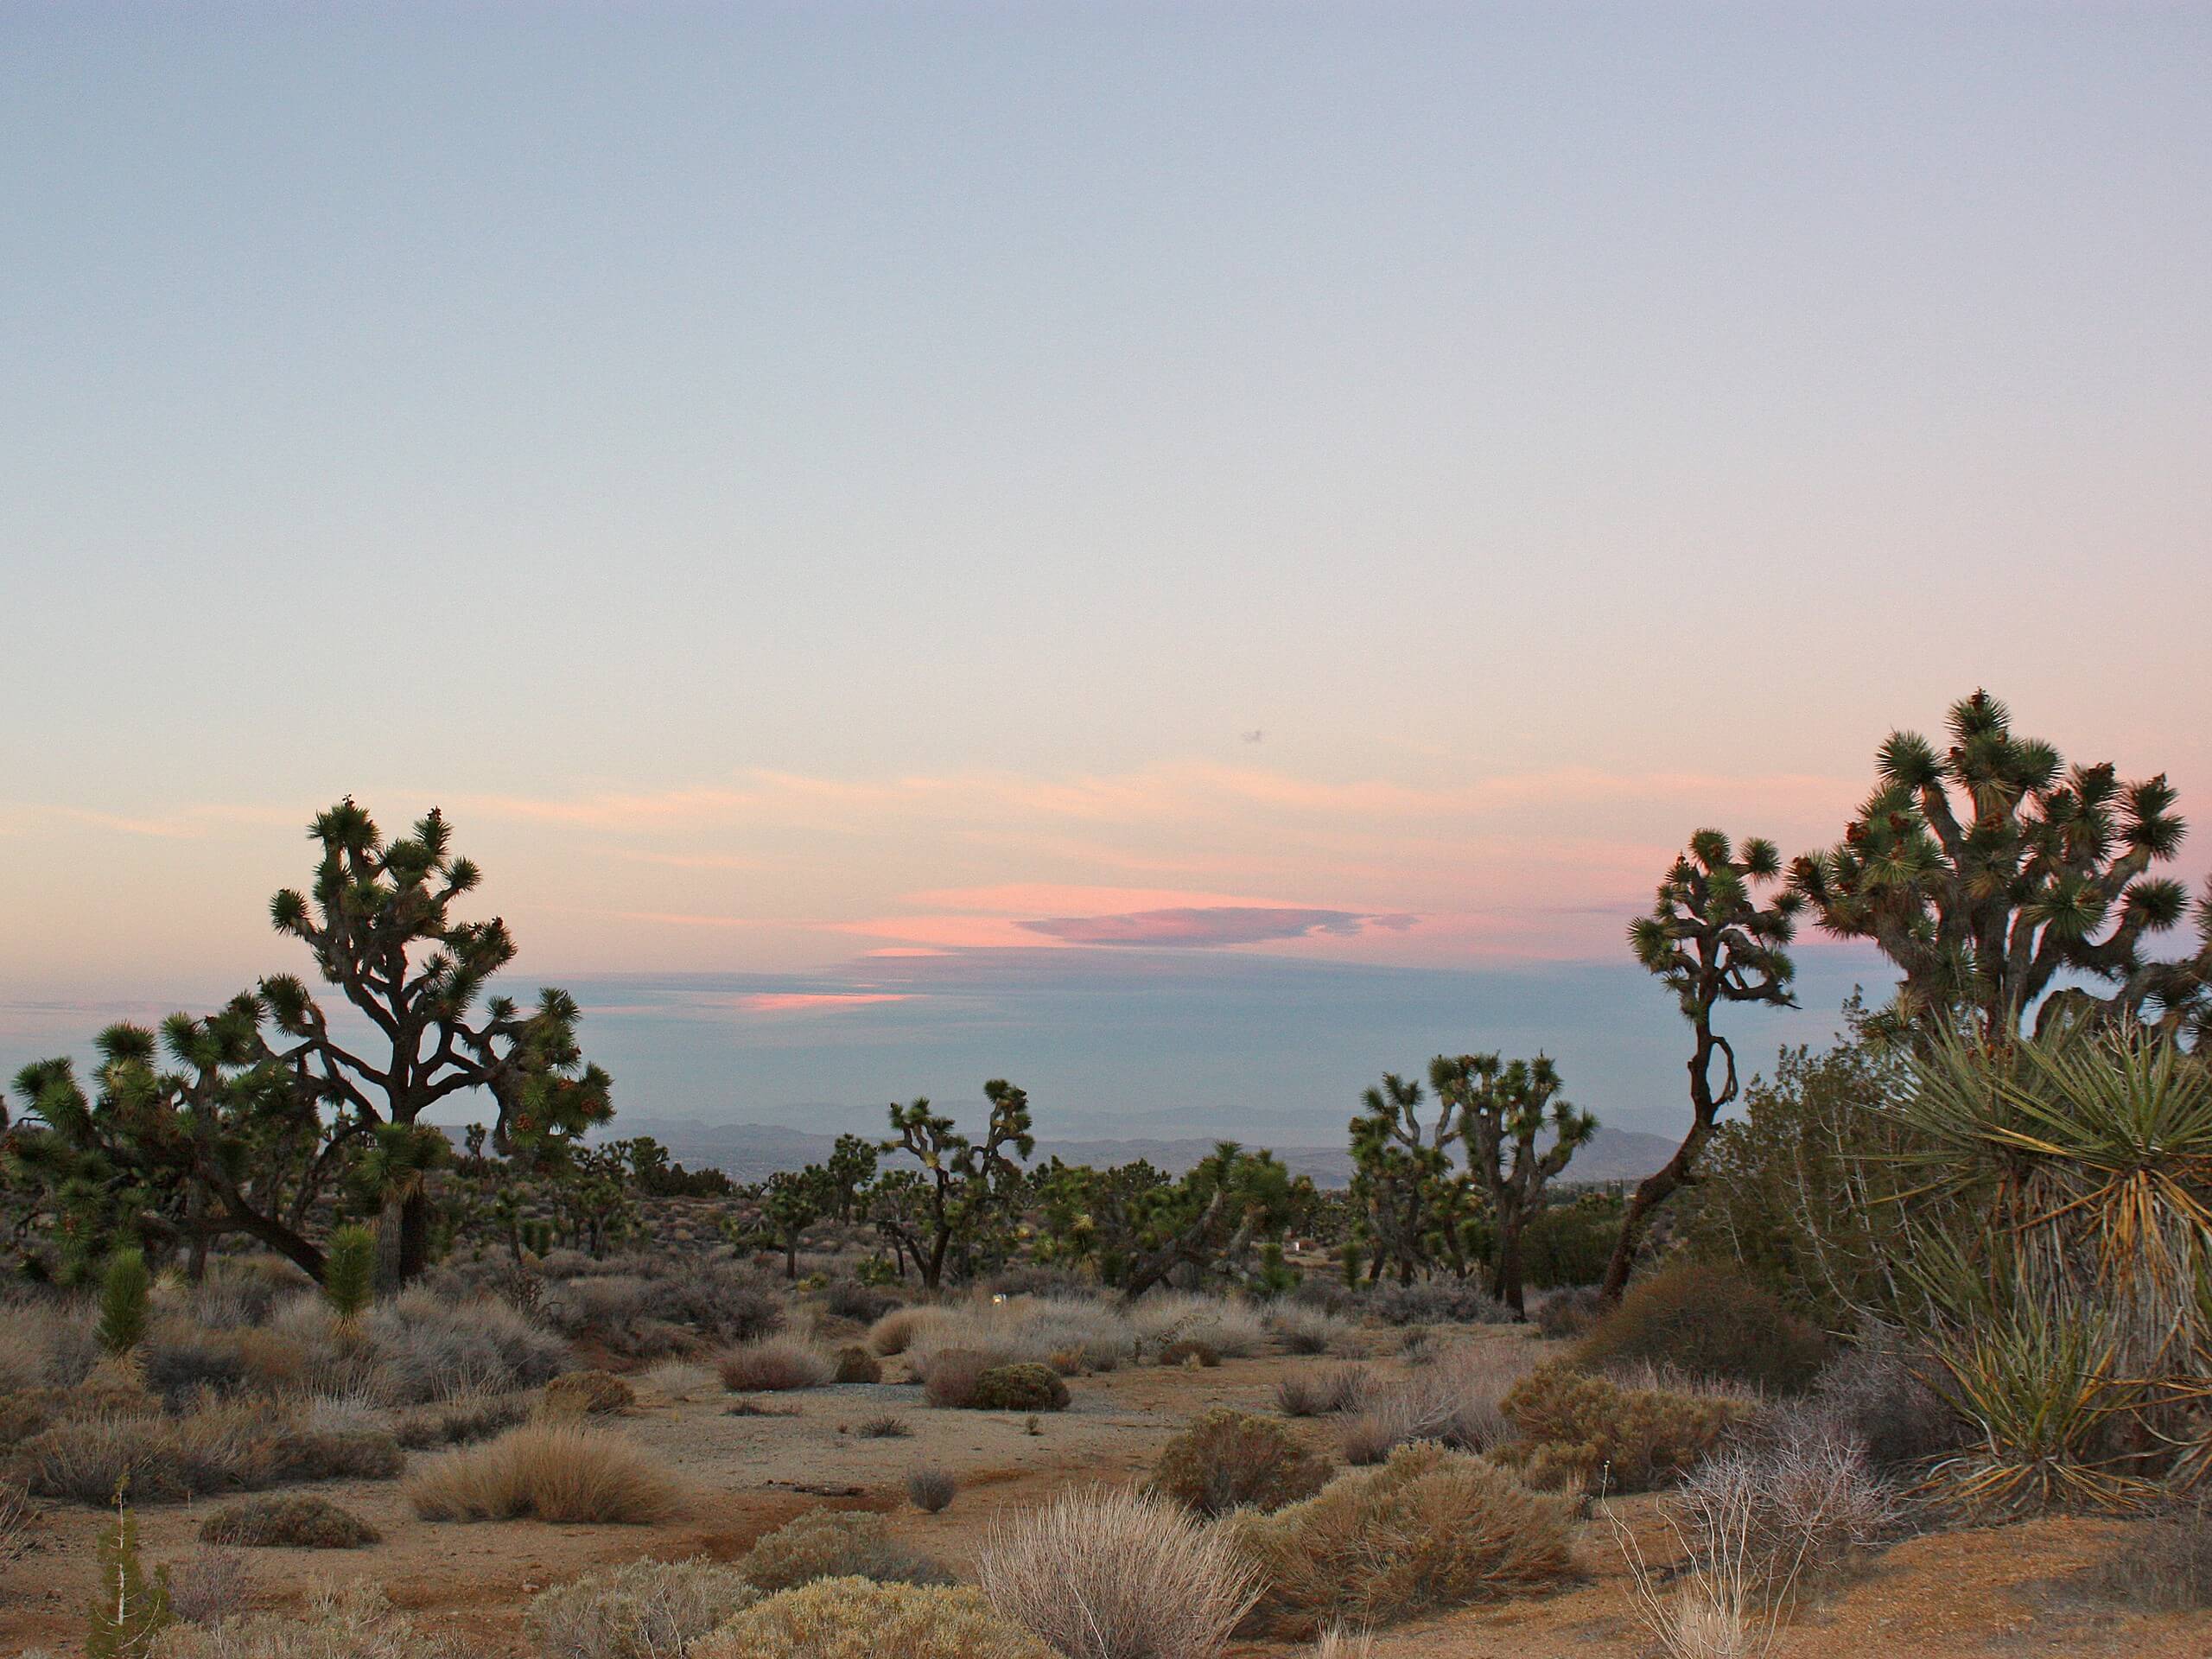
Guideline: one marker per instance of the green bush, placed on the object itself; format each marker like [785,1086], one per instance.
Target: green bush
[288,1521]
[1229,1459]
[1025,1387]
[836,1544]
[1708,1321]
[123,1293]
[349,1272]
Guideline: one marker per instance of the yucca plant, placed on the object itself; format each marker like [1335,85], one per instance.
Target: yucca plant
[125,1291]
[349,1273]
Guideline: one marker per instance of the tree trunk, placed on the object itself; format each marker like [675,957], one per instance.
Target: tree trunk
[1657,1187]
[1506,1283]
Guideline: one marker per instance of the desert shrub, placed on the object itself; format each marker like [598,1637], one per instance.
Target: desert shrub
[887,1427]
[1321,1390]
[547,1470]
[1784,1513]
[1229,1460]
[856,1364]
[460,1422]
[157,1459]
[772,1365]
[1568,1311]
[646,1307]
[951,1375]
[429,1348]
[1068,1335]
[1437,1301]
[836,1544]
[288,1521]
[643,1609]
[932,1491]
[1707,1321]
[1231,1328]
[210,1585]
[1116,1576]
[856,1619]
[17,1517]
[1454,1399]
[357,1622]
[849,1298]
[589,1394]
[1877,1392]
[1304,1329]
[180,1366]
[310,1453]
[2163,1565]
[1430,1529]
[1576,1426]
[1189,1350]
[1023,1387]
[894,1332]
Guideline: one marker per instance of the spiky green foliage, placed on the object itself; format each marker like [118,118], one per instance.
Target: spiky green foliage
[1413,1210]
[963,1190]
[125,1289]
[790,1202]
[1506,1106]
[379,924]
[349,1272]
[2000,880]
[129,1610]
[1712,941]
[1134,1226]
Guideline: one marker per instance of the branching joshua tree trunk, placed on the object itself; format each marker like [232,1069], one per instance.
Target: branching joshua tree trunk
[1710,941]
[962,1185]
[1510,1105]
[379,925]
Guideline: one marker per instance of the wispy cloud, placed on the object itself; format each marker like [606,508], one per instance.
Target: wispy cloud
[1213,926]
[775,1003]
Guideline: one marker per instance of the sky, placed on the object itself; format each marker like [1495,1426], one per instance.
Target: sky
[1188,554]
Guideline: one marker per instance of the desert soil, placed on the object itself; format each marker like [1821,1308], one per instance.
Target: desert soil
[2017,1590]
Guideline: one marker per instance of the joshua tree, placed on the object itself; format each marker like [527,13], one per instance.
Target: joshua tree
[379,925]
[1710,941]
[791,1202]
[1995,877]
[962,1185]
[850,1168]
[1510,1104]
[1404,1189]
[1139,1227]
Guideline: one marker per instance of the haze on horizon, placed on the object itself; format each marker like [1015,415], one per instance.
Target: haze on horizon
[1184,557]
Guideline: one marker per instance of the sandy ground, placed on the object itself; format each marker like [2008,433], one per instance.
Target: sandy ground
[2012,1591]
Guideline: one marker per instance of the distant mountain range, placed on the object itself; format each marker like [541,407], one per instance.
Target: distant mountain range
[753,1152]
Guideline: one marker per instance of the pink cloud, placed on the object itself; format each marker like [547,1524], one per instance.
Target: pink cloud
[1213,926]
[773,1003]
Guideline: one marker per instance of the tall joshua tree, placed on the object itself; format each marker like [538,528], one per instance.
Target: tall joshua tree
[1710,941]
[961,1183]
[1404,1186]
[2000,880]
[379,922]
[1509,1104]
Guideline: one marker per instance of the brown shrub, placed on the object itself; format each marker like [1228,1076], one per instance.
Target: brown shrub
[547,1471]
[1229,1460]
[1319,1391]
[836,1544]
[856,1364]
[1117,1575]
[16,1516]
[588,1393]
[1580,1427]
[355,1623]
[888,1427]
[1709,1322]
[1024,1386]
[1454,1399]
[331,1454]
[854,1618]
[209,1585]
[1567,1312]
[288,1521]
[772,1365]
[952,1375]
[895,1331]
[2163,1565]
[932,1491]
[461,1422]
[1432,1529]
[643,1609]
[1189,1350]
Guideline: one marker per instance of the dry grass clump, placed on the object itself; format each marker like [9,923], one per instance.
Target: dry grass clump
[1452,1397]
[951,1375]
[932,1491]
[358,1622]
[222,1445]
[1879,1391]
[1338,1642]
[643,1610]
[836,1544]
[1437,1301]
[588,1393]
[547,1471]
[1232,1329]
[650,1306]
[1303,1330]
[1567,1312]
[209,1585]
[1190,1353]
[1323,1390]
[1116,1576]
[856,1619]
[855,1364]
[888,1427]
[1070,1336]
[1580,1429]
[459,1421]
[1430,1529]
[288,1521]
[1229,1460]
[1707,1322]
[1784,1515]
[42,1345]
[2163,1565]
[894,1332]
[17,1517]
[773,1366]
[426,1348]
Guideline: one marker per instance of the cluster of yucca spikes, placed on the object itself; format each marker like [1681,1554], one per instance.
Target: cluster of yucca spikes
[2060,1189]
[1997,878]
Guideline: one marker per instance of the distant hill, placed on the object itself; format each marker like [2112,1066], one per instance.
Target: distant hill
[753,1152]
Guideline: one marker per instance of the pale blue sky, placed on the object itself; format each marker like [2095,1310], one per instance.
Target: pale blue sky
[801,480]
